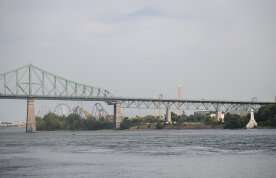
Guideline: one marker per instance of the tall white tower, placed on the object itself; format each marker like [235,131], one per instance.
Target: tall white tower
[179,92]
[252,123]
[158,110]
[179,96]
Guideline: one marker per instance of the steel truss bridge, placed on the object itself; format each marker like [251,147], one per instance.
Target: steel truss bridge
[33,83]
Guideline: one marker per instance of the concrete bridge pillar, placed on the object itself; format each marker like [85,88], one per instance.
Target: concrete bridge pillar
[30,122]
[117,115]
[168,117]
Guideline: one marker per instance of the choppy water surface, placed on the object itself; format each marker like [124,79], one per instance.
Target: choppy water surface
[154,154]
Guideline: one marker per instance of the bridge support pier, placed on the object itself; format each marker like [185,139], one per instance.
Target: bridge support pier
[30,121]
[117,116]
[168,116]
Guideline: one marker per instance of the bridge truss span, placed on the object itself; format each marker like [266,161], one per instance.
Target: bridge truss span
[32,81]
[195,105]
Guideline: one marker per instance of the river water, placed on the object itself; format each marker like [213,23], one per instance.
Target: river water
[151,153]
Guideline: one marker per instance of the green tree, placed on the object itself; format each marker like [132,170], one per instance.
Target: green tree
[73,121]
[40,123]
[160,124]
[126,123]
[234,121]
[52,121]
[266,116]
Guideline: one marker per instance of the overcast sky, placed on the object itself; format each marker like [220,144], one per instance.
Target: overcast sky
[213,49]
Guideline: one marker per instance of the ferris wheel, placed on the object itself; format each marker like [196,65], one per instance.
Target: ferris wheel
[62,109]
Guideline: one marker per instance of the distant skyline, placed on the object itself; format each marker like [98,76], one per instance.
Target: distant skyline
[213,49]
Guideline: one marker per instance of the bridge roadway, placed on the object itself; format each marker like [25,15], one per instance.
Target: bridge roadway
[112,100]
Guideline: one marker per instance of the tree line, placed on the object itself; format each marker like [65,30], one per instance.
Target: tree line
[73,121]
[265,117]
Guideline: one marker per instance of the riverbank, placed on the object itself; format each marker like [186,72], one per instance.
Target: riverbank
[184,125]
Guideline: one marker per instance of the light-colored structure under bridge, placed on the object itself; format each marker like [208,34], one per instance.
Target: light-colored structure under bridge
[32,83]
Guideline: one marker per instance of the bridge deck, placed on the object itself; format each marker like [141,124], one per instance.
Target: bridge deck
[122,99]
